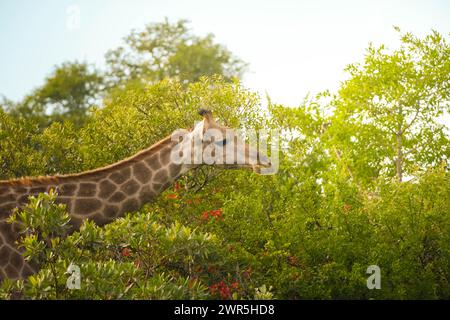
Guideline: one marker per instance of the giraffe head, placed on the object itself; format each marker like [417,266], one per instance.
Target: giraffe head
[213,144]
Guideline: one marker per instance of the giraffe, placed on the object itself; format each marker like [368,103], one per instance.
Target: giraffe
[103,194]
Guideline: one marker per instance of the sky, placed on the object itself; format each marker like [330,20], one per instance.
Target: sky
[293,47]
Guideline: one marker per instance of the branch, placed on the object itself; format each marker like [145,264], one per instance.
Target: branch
[338,155]
[379,121]
[142,111]
[412,121]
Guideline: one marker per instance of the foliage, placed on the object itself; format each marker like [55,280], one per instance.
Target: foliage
[308,247]
[18,154]
[335,207]
[67,94]
[167,49]
[398,95]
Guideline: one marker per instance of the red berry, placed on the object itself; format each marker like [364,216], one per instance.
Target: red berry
[126,252]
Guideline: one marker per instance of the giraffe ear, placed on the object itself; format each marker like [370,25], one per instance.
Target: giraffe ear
[205,113]
[207,116]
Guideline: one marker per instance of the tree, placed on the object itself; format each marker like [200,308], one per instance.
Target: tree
[390,106]
[26,110]
[164,50]
[18,150]
[67,94]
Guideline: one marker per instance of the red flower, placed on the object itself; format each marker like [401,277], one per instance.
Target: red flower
[217,213]
[213,288]
[223,289]
[213,213]
[126,252]
[225,292]
[205,215]
[176,187]
[172,196]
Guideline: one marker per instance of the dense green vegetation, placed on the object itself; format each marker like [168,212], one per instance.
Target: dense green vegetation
[363,178]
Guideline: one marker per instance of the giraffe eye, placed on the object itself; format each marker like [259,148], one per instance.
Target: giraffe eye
[222,143]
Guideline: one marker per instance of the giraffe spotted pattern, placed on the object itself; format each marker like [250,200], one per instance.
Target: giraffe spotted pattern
[100,195]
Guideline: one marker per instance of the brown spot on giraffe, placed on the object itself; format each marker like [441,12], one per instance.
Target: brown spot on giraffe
[119,196]
[4,256]
[121,176]
[20,190]
[146,193]
[174,170]
[153,162]
[131,187]
[87,206]
[8,198]
[130,205]
[5,190]
[160,176]
[12,271]
[7,232]
[107,188]
[87,190]
[141,172]
[164,156]
[16,260]
[111,211]
[67,189]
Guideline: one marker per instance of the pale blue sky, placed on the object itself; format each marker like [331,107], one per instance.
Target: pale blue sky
[293,47]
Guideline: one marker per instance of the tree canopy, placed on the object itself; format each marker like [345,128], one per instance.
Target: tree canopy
[164,50]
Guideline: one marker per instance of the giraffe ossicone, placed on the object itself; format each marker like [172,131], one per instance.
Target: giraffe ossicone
[109,192]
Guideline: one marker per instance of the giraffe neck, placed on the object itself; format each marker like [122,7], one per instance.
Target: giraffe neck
[100,195]
[106,193]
